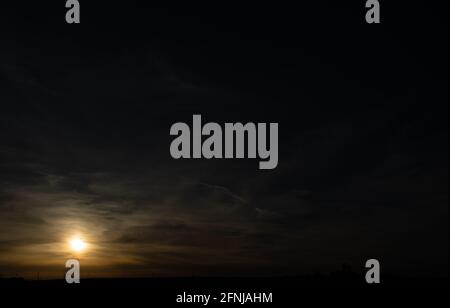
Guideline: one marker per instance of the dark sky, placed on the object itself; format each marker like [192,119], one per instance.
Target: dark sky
[84,138]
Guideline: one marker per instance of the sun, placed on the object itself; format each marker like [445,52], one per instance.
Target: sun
[77,244]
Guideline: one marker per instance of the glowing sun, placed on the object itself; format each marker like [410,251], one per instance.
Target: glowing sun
[77,244]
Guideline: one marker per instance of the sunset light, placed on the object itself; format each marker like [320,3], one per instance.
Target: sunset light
[77,245]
